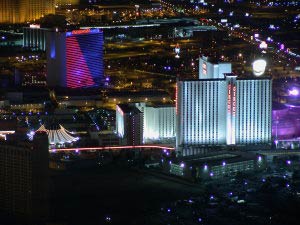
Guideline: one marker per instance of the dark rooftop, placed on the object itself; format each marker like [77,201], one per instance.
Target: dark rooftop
[126,108]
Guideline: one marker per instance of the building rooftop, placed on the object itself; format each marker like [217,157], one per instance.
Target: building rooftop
[126,108]
[213,59]
[223,79]
[218,157]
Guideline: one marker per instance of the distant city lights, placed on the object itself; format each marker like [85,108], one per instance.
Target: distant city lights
[263,45]
[177,51]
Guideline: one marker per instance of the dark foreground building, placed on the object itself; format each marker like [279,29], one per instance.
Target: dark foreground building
[24,180]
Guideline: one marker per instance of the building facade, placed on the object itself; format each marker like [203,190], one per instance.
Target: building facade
[34,37]
[24,179]
[75,59]
[228,111]
[67,2]
[9,12]
[22,11]
[201,112]
[129,124]
[159,122]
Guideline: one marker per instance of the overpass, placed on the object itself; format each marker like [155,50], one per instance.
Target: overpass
[113,148]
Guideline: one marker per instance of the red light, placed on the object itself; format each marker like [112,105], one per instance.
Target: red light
[176,95]
[229,99]
[86,31]
[234,101]
[112,148]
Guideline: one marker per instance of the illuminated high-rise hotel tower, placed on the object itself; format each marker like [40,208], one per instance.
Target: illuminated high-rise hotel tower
[22,11]
[223,110]
[9,12]
[75,59]
[67,2]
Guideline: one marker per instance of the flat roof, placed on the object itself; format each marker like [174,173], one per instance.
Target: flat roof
[223,79]
[126,108]
[217,157]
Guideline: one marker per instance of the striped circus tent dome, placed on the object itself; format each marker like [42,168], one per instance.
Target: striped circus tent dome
[57,134]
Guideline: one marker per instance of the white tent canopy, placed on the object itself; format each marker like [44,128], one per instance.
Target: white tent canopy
[58,135]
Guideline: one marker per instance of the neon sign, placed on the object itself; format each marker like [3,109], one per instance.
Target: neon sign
[86,31]
[83,31]
[176,95]
[234,100]
[229,99]
[231,112]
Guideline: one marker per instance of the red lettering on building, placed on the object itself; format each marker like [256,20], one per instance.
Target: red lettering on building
[86,31]
[229,99]
[234,101]
[176,96]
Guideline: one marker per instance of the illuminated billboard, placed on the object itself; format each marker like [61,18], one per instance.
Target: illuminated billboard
[259,67]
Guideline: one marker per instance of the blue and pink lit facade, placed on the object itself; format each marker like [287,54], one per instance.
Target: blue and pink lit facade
[215,111]
[75,58]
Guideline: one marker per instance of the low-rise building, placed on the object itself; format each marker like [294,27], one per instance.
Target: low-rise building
[216,165]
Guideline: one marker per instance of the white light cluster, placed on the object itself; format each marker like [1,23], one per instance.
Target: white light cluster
[259,67]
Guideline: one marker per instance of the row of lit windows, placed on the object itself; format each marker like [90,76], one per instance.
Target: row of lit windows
[208,120]
[254,105]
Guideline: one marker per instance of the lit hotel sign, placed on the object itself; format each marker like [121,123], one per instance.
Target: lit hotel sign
[231,100]
[35,26]
[86,31]
[83,31]
[231,113]
[234,100]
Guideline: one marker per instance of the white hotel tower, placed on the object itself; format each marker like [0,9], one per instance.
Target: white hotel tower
[221,109]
